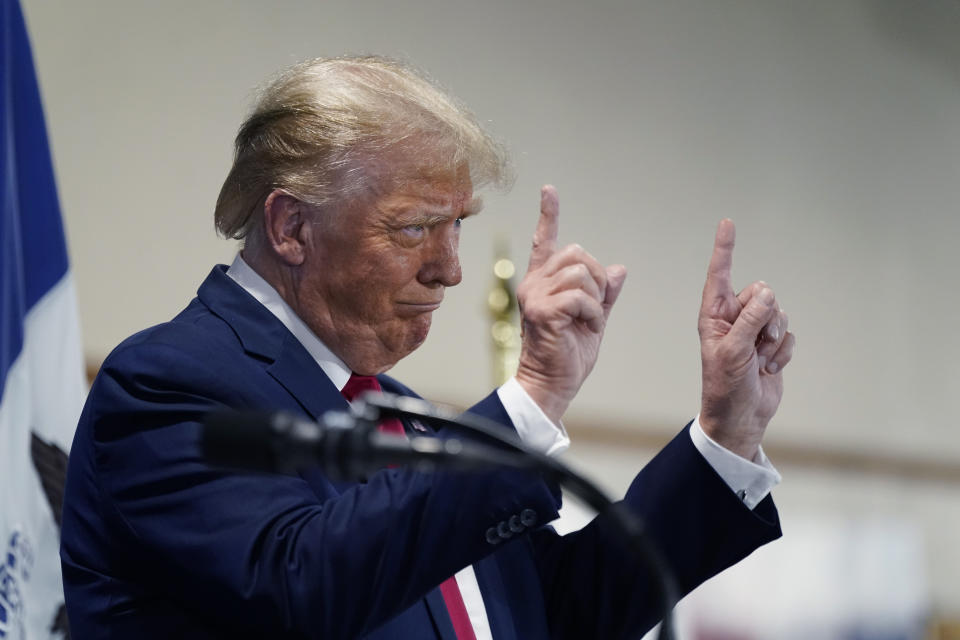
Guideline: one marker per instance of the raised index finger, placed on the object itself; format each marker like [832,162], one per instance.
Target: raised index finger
[719,284]
[548,227]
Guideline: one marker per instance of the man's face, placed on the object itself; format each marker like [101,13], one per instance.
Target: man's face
[377,270]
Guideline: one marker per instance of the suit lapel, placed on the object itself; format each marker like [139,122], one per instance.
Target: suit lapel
[264,337]
[300,374]
[412,427]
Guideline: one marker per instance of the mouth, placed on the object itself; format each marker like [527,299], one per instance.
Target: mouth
[420,307]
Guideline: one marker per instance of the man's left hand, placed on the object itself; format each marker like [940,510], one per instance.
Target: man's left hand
[744,346]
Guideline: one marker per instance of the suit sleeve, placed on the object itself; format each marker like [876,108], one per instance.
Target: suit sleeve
[591,583]
[594,587]
[263,555]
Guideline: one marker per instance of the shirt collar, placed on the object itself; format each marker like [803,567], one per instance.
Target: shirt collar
[251,281]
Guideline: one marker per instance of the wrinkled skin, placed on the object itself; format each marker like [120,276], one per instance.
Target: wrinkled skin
[744,347]
[367,279]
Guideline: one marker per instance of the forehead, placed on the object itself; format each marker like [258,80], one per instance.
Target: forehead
[435,194]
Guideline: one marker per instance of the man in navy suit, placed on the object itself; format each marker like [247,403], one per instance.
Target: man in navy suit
[349,185]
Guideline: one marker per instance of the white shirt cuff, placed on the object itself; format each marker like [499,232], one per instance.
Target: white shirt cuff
[533,426]
[751,481]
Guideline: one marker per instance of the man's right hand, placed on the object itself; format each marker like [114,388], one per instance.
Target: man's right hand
[565,300]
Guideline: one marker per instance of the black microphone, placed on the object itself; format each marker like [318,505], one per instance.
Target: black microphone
[260,441]
[346,446]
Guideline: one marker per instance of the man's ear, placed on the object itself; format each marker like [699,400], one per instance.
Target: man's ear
[284,221]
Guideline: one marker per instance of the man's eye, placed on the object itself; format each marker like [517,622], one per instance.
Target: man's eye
[413,230]
[458,222]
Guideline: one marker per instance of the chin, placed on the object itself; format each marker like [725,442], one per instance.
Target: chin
[394,350]
[417,334]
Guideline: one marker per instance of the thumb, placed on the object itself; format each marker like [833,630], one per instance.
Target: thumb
[753,318]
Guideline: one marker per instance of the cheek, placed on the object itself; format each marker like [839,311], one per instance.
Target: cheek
[400,269]
[368,305]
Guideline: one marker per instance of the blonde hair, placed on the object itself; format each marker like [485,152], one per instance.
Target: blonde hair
[334,129]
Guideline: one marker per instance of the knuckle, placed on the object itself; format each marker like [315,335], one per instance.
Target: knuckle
[533,313]
[755,315]
[576,252]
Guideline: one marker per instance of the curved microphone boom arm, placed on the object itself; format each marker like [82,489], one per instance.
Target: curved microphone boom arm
[349,446]
[373,406]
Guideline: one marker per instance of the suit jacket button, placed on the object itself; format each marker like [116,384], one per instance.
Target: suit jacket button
[492,536]
[503,531]
[528,517]
[515,525]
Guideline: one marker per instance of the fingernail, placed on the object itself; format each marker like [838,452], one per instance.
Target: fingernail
[772,368]
[763,362]
[766,296]
[774,332]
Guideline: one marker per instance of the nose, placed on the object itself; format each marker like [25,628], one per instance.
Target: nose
[441,264]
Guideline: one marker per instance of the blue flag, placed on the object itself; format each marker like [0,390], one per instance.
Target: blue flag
[41,364]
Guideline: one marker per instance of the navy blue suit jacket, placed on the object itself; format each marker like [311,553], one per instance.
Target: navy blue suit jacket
[156,543]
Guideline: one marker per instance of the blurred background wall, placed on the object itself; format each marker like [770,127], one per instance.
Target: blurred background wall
[829,131]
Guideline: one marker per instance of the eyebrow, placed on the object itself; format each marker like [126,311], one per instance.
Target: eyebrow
[414,216]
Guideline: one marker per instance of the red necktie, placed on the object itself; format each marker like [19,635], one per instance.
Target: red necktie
[451,592]
[357,385]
